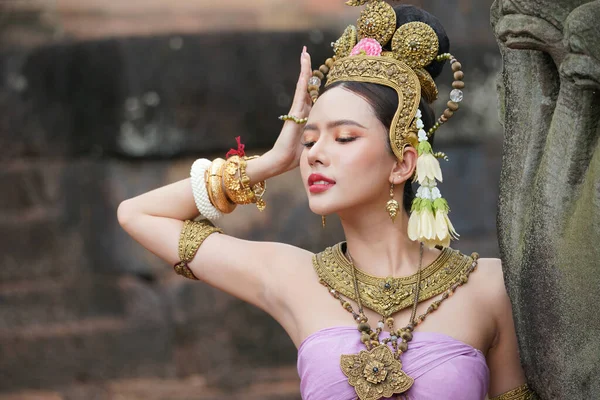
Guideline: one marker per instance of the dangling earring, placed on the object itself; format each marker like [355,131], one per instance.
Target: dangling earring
[392,205]
[323,220]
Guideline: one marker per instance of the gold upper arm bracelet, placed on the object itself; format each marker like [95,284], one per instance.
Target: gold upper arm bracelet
[521,393]
[192,235]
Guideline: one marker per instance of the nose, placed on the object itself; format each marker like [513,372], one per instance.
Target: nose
[317,154]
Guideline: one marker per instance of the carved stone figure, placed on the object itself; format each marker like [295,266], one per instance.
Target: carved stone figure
[549,209]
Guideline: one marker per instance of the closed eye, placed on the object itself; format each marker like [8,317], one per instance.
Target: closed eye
[345,139]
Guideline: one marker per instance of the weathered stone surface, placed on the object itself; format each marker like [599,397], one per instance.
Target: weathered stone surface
[549,213]
[266,384]
[28,190]
[32,395]
[131,338]
[104,97]
[58,302]
[94,349]
[34,250]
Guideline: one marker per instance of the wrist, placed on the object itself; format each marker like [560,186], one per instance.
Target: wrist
[266,166]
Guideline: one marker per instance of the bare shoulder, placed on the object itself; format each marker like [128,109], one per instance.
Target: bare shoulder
[489,279]
[503,355]
[491,269]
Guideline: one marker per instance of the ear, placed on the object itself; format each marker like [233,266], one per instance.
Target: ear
[403,171]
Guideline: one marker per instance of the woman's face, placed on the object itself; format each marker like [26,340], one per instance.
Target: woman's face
[345,163]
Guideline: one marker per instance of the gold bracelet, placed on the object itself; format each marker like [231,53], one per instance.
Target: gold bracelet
[214,187]
[521,393]
[233,184]
[299,121]
[191,237]
[237,183]
[258,189]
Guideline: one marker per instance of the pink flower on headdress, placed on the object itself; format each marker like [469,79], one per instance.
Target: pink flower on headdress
[367,47]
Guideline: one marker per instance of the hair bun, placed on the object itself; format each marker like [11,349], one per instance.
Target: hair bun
[407,13]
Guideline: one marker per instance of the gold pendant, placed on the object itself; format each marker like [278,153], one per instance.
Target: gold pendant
[392,208]
[375,374]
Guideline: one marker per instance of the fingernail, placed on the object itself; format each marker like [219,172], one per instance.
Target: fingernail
[304,50]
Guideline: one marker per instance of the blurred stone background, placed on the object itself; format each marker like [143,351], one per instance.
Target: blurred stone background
[101,100]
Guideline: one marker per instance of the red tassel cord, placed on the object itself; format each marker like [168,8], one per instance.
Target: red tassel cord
[240,150]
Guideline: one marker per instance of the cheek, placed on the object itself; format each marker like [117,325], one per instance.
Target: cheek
[367,168]
[304,167]
[367,161]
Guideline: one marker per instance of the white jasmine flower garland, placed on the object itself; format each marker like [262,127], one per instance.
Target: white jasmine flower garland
[429,222]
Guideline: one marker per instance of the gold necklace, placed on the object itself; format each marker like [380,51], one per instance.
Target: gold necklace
[387,296]
[377,372]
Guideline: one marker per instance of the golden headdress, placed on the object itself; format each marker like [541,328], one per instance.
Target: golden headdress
[359,56]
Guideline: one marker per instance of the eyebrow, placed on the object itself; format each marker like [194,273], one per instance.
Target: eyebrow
[334,124]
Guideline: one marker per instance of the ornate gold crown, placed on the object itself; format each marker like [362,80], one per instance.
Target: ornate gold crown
[359,56]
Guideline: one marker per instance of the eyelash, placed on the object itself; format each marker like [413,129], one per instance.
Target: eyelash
[339,140]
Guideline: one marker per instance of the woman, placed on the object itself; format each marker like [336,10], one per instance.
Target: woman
[358,147]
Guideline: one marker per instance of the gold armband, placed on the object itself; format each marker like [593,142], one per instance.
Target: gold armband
[521,393]
[237,183]
[192,235]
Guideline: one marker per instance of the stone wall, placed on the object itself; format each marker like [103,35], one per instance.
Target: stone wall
[88,121]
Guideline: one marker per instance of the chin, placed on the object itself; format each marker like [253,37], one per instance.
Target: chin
[319,208]
[320,205]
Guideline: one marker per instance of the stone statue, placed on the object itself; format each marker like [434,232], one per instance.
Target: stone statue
[549,208]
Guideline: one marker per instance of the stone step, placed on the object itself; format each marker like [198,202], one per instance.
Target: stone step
[94,349]
[51,302]
[268,384]
[32,395]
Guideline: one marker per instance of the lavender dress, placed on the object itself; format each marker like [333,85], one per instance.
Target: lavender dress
[442,367]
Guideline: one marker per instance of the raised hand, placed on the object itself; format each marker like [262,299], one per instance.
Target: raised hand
[288,146]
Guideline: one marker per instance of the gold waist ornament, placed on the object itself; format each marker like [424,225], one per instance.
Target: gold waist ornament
[387,296]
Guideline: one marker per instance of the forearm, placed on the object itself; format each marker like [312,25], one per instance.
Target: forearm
[264,167]
[171,201]
[176,200]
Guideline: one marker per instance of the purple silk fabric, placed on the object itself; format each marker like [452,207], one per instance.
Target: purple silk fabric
[442,367]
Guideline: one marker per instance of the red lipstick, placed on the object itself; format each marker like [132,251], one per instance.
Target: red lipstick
[318,183]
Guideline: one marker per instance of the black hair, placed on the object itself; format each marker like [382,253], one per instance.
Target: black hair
[384,100]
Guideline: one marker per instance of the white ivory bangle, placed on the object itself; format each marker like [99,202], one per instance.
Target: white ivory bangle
[199,190]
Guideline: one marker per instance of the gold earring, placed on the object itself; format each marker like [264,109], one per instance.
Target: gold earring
[392,205]
[323,220]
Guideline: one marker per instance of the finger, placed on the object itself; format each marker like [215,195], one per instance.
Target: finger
[302,85]
[306,63]
[308,74]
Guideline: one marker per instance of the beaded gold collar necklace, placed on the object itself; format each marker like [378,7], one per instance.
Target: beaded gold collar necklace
[377,371]
[387,296]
